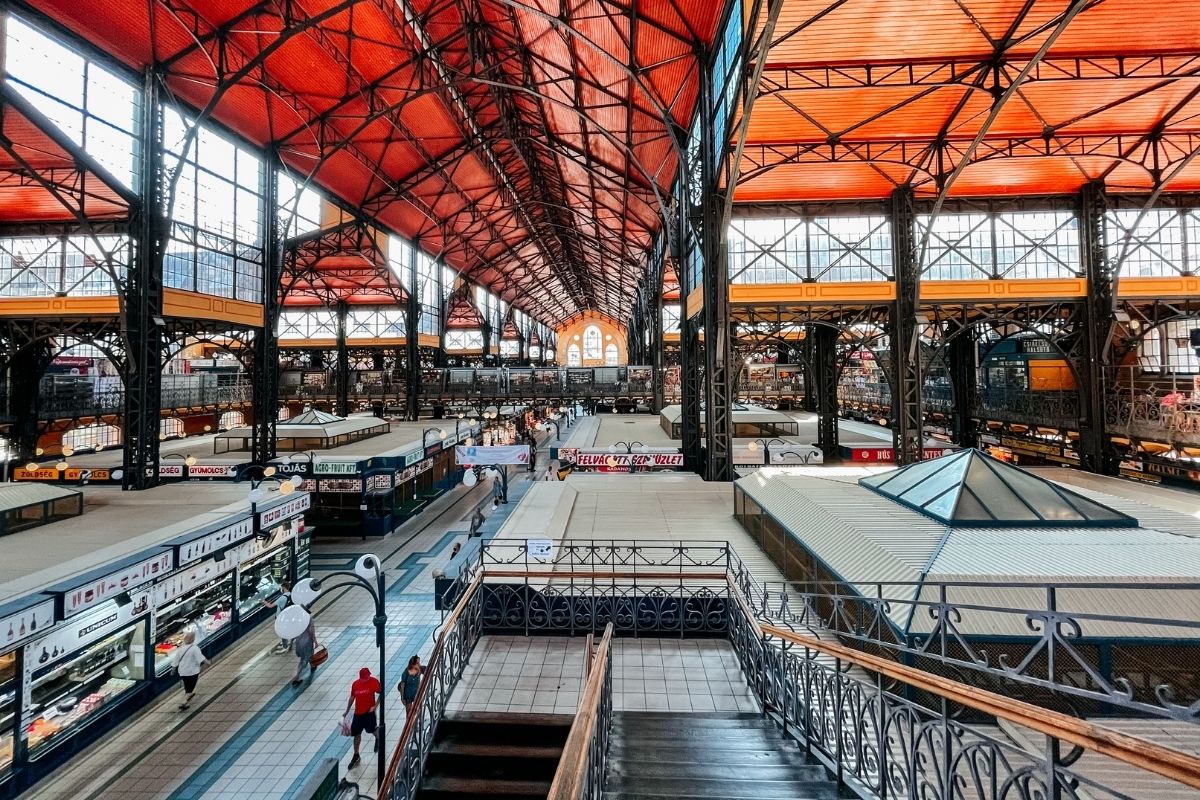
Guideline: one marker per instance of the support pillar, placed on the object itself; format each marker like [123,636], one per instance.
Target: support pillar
[412,352]
[25,369]
[1095,451]
[487,343]
[266,342]
[142,307]
[964,384]
[807,356]
[656,338]
[904,333]
[342,372]
[824,372]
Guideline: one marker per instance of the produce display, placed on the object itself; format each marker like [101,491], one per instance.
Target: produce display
[71,710]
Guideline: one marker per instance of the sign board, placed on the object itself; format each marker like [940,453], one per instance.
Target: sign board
[485,456]
[413,457]
[379,482]
[98,591]
[198,549]
[623,461]
[343,485]
[15,628]
[170,470]
[284,511]
[336,468]
[184,581]
[67,637]
[47,474]
[886,455]
[539,548]
[211,471]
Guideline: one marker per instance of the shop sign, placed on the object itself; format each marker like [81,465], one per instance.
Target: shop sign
[335,468]
[343,485]
[22,474]
[292,468]
[887,455]
[218,539]
[273,516]
[108,587]
[183,582]
[170,470]
[433,450]
[211,471]
[73,475]
[1172,471]
[510,454]
[625,460]
[65,638]
[1031,448]
[539,548]
[15,628]
[413,457]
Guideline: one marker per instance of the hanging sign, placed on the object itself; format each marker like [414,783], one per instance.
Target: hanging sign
[539,548]
[22,625]
[273,516]
[65,638]
[623,461]
[336,468]
[211,471]
[48,474]
[413,457]
[508,454]
[183,582]
[170,470]
[111,585]
[195,550]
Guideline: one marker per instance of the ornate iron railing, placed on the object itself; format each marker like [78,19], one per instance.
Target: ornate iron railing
[457,639]
[582,766]
[57,403]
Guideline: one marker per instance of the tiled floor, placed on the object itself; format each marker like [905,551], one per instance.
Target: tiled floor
[545,675]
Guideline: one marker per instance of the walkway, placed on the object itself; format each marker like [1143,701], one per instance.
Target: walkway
[249,735]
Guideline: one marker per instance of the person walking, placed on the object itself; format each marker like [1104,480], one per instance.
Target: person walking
[477,520]
[279,604]
[189,660]
[410,683]
[306,645]
[364,694]
[498,491]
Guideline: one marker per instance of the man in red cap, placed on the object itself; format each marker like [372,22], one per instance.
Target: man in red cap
[363,697]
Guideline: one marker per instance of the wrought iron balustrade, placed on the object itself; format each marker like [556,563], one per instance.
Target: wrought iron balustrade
[1056,409]
[1152,405]
[58,402]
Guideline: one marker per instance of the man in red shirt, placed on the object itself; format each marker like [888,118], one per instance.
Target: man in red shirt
[363,697]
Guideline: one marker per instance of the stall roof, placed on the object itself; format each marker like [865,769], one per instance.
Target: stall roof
[20,495]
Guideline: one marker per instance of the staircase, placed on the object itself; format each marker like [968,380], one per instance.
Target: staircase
[723,755]
[482,753]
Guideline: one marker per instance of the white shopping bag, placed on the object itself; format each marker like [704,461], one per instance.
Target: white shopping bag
[344,726]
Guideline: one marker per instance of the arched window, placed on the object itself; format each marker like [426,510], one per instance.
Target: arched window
[610,355]
[231,419]
[171,427]
[592,344]
[573,356]
[96,436]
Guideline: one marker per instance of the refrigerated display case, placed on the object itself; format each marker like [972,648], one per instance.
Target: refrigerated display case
[68,689]
[208,609]
[8,710]
[260,579]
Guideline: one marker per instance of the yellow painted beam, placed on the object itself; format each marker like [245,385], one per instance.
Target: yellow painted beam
[99,306]
[194,305]
[1003,290]
[815,293]
[1135,287]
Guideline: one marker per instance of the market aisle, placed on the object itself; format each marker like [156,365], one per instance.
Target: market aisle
[249,734]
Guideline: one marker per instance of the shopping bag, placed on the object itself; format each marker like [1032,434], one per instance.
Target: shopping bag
[319,657]
[347,721]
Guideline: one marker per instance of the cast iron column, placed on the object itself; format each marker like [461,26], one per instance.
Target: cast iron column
[808,360]
[824,372]
[342,371]
[1095,451]
[142,306]
[656,329]
[412,345]
[964,384]
[904,332]
[25,369]
[266,342]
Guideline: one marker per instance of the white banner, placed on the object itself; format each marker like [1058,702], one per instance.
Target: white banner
[486,456]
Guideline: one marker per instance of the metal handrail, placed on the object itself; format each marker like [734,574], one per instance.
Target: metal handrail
[583,754]
[1174,764]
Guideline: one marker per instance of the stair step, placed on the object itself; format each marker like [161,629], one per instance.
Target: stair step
[484,727]
[752,759]
[476,787]
[690,715]
[453,746]
[639,787]
[683,736]
[704,771]
[700,723]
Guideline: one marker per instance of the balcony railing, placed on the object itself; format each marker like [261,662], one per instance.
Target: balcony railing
[61,403]
[1153,406]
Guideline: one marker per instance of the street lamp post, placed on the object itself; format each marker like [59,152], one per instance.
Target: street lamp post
[469,478]
[425,435]
[629,446]
[295,619]
[766,445]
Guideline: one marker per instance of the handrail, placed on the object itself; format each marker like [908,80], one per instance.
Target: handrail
[1131,750]
[572,766]
[434,659]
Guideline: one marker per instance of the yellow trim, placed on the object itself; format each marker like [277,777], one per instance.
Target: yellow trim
[1155,288]
[193,305]
[695,303]
[100,306]
[818,293]
[671,337]
[427,340]
[1023,289]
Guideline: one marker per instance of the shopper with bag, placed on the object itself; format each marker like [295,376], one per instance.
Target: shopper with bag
[189,660]
[410,682]
[363,699]
[306,654]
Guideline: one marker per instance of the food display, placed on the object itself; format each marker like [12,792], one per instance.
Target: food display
[261,580]
[67,693]
[8,707]
[207,610]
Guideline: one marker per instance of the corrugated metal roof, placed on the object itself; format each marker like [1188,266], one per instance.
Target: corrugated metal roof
[1120,493]
[19,495]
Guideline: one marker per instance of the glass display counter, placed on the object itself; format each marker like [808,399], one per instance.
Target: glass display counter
[8,709]
[68,691]
[208,610]
[260,579]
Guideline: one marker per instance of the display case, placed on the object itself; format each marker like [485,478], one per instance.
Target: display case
[208,609]
[67,692]
[260,579]
[9,684]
